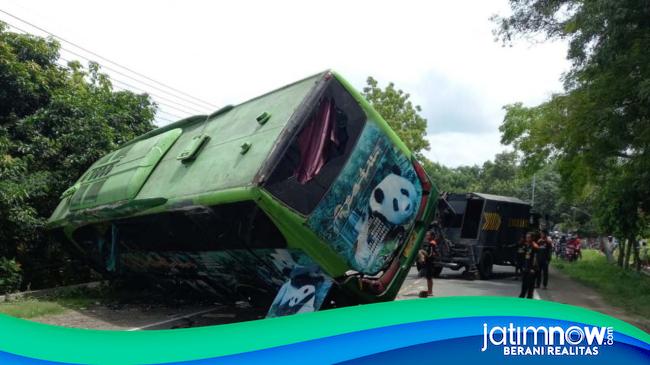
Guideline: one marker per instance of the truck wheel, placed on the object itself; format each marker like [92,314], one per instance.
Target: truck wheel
[436,271]
[485,266]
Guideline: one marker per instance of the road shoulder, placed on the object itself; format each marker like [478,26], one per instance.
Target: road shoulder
[563,289]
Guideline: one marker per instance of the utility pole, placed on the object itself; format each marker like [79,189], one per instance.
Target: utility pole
[532,203]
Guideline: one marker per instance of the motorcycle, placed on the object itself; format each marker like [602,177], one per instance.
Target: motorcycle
[572,252]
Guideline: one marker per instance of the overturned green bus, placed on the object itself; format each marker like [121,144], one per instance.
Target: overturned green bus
[298,200]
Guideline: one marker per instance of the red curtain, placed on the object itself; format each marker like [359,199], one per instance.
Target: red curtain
[314,141]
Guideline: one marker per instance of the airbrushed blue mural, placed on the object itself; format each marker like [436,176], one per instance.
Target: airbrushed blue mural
[371,207]
[289,277]
[304,291]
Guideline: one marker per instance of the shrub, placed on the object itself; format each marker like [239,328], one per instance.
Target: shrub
[10,275]
[644,255]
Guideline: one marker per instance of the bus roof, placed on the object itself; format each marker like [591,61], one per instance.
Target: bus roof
[196,155]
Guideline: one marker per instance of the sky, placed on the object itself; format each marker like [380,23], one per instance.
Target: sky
[442,53]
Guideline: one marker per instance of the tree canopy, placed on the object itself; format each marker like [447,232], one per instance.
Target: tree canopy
[403,117]
[501,176]
[54,122]
[598,130]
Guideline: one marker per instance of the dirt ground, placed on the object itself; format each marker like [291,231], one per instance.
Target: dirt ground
[566,290]
[148,317]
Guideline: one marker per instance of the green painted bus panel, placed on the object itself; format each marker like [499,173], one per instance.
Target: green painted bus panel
[141,207]
[220,165]
[207,171]
[292,226]
[190,152]
[242,120]
[217,167]
[225,196]
[120,175]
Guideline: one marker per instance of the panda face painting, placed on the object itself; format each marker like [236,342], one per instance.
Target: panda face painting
[293,299]
[302,297]
[392,205]
[303,292]
[394,199]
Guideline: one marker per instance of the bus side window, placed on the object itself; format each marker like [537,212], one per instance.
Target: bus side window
[319,151]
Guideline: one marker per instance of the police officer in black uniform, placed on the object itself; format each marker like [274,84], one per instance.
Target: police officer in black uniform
[519,259]
[529,267]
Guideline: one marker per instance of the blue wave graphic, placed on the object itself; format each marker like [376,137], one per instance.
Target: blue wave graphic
[459,351]
[457,340]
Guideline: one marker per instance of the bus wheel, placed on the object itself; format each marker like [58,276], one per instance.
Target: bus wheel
[485,265]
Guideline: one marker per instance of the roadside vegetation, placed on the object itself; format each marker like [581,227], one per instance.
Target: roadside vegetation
[77,298]
[35,307]
[56,118]
[31,308]
[68,115]
[584,149]
[115,294]
[627,289]
[596,132]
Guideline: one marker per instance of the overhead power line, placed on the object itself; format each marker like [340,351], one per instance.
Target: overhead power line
[167,121]
[173,116]
[194,109]
[207,104]
[131,88]
[188,109]
[177,108]
[144,83]
[158,111]
[127,87]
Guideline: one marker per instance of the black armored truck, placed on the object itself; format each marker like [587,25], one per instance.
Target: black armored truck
[476,231]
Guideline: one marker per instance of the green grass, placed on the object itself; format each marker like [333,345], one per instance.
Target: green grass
[32,307]
[627,289]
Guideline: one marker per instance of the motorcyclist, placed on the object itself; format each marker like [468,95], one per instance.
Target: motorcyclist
[573,248]
[561,247]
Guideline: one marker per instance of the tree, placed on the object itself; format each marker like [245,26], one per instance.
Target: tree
[402,116]
[598,129]
[54,122]
[501,176]
[461,179]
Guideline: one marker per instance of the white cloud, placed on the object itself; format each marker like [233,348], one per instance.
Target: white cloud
[455,149]
[443,53]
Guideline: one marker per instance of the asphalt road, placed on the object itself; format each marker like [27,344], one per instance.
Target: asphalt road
[561,289]
[453,283]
